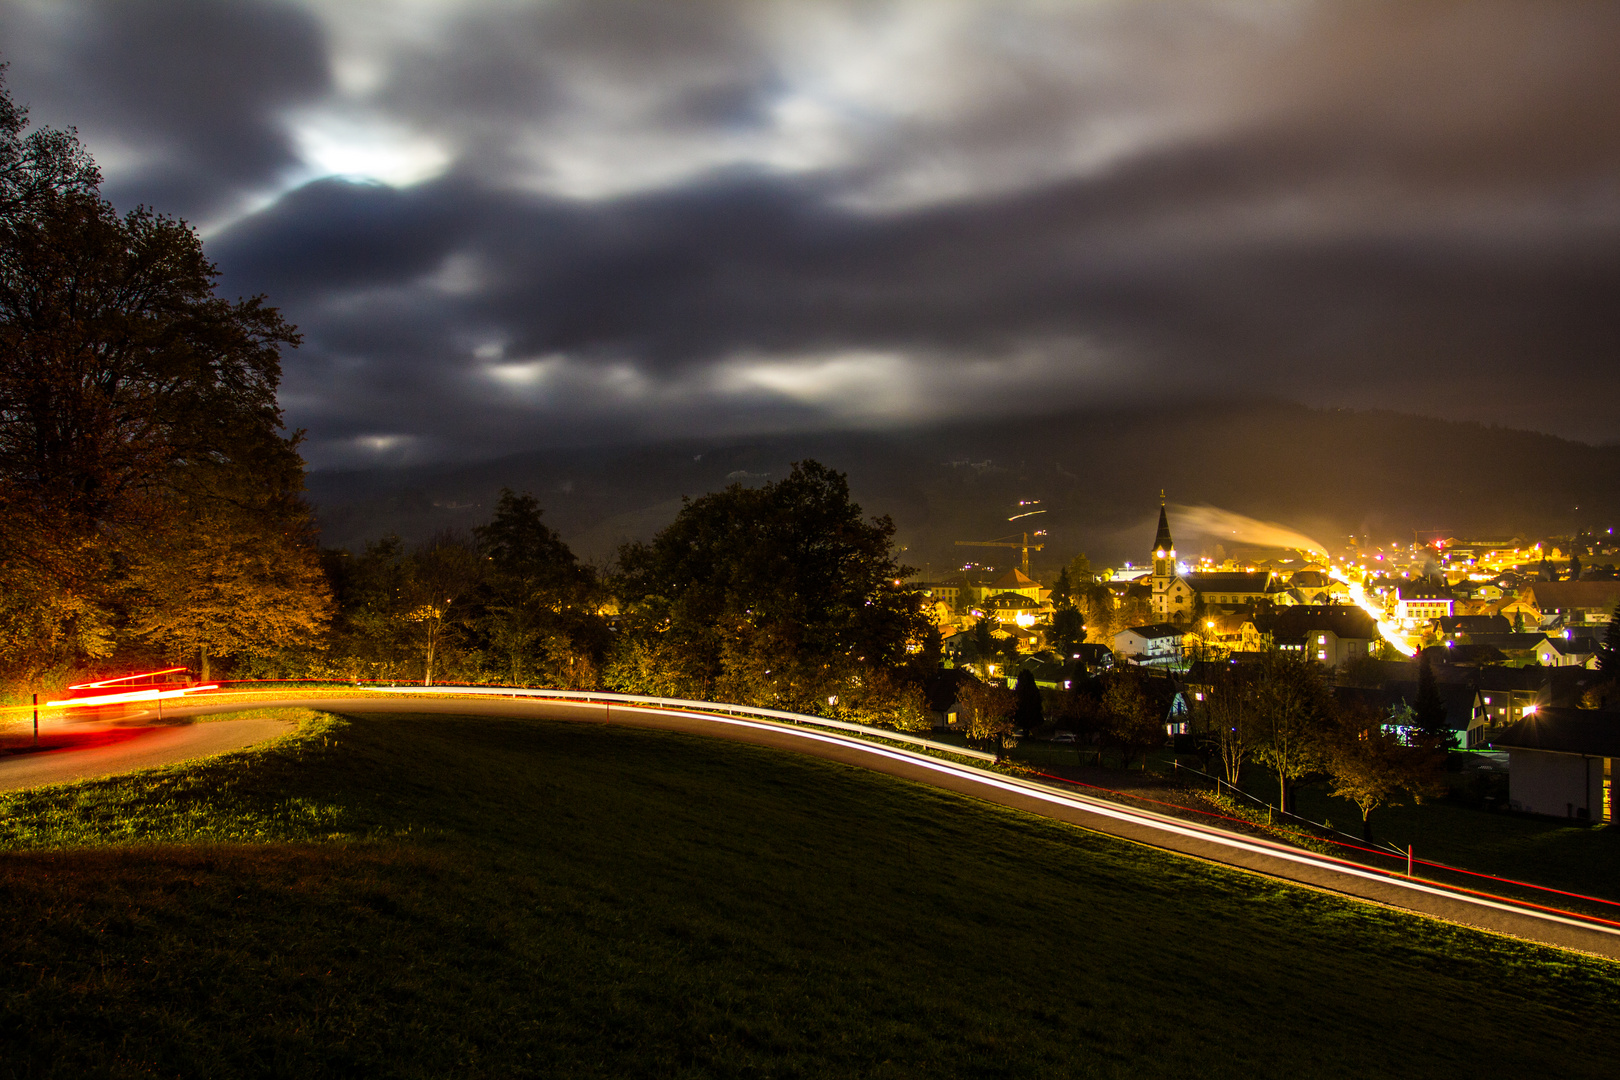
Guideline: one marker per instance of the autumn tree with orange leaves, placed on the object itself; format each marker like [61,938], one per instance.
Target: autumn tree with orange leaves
[152,500]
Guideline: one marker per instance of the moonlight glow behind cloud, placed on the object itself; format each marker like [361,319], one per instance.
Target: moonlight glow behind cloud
[503,225]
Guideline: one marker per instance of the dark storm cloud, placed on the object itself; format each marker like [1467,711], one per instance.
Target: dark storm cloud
[191,90]
[713,217]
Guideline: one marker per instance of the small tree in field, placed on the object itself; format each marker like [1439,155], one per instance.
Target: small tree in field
[1224,721]
[984,646]
[1030,712]
[439,576]
[1429,710]
[1133,722]
[1371,766]
[989,710]
[1290,709]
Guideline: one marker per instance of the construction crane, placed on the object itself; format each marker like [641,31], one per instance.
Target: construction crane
[1007,542]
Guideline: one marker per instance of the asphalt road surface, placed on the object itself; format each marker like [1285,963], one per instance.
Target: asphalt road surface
[1170,834]
[71,752]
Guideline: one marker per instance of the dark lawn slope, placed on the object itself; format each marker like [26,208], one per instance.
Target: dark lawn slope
[409,896]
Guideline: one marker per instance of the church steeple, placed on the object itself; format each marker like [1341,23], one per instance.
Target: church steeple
[1164,548]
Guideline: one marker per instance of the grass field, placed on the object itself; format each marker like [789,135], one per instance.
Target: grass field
[1560,854]
[414,896]
[1546,851]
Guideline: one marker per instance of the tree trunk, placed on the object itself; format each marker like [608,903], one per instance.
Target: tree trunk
[427,674]
[203,670]
[1366,825]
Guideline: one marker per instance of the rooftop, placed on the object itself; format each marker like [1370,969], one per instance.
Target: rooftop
[1566,731]
[1155,631]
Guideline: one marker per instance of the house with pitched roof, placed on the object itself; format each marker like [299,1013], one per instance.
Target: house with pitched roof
[1227,588]
[1016,581]
[1563,763]
[1458,626]
[1573,603]
[1158,643]
[1565,650]
[1331,634]
[1011,609]
[1464,711]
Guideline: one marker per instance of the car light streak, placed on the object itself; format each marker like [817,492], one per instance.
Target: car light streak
[966,777]
[155,692]
[1351,847]
[1186,830]
[126,678]
[152,694]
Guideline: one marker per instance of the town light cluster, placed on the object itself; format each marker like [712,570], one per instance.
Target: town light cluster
[1393,634]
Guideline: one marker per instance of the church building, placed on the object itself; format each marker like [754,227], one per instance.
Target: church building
[1172,593]
[1175,593]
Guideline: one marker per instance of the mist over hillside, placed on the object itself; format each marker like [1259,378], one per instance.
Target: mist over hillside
[1325,473]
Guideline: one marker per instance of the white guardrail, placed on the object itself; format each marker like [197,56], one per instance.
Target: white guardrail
[694,706]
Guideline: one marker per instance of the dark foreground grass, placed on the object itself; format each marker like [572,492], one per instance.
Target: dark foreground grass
[410,896]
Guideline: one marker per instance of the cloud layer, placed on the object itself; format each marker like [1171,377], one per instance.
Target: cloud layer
[504,225]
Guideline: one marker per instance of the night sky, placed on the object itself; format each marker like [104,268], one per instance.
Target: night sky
[504,226]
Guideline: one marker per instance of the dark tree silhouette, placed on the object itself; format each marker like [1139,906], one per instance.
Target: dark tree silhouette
[1029,714]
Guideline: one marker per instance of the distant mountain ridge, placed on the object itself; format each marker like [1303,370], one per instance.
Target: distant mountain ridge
[1327,473]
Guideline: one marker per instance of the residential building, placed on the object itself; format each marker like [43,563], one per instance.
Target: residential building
[1466,654]
[1469,625]
[1418,604]
[1508,695]
[1011,609]
[1094,658]
[1511,694]
[1562,651]
[1562,763]
[1159,643]
[1519,612]
[1049,671]
[941,592]
[1016,581]
[1513,646]
[960,647]
[1331,634]
[1312,587]
[1575,603]
[1464,705]
[1395,701]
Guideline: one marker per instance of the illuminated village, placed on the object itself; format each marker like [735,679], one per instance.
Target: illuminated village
[1509,627]
[614,539]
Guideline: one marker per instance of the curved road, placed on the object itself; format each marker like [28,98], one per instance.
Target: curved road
[71,752]
[1141,826]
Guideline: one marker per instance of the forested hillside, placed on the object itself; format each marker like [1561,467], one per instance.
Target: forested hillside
[1324,472]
